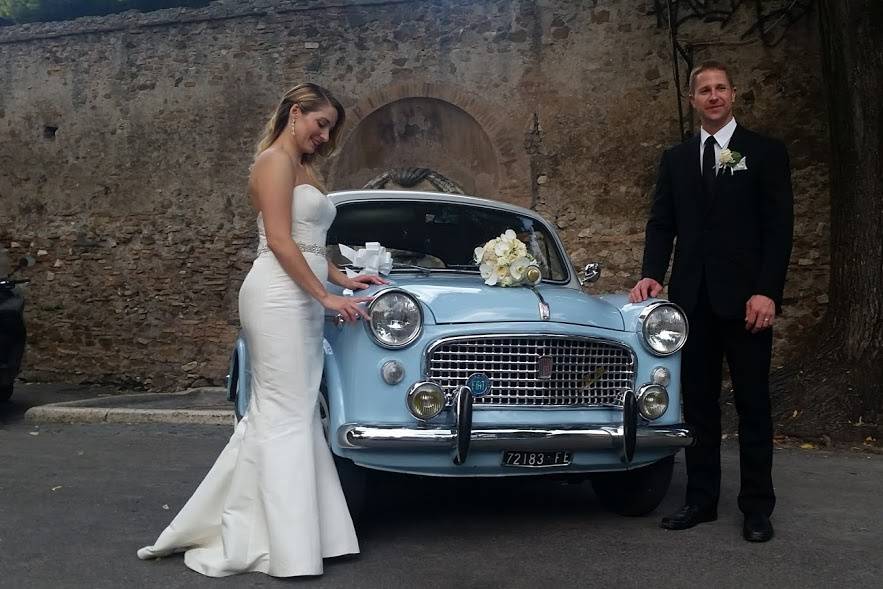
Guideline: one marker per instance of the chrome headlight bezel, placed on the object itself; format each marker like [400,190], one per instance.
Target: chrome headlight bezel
[369,325]
[642,328]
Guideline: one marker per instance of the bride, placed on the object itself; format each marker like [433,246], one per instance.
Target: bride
[272,502]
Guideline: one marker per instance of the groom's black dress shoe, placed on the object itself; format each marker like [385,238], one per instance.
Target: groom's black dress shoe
[688,516]
[757,527]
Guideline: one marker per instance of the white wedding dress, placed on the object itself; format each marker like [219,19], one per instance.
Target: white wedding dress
[272,502]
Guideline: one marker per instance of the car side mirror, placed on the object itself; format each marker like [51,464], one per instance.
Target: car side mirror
[591,273]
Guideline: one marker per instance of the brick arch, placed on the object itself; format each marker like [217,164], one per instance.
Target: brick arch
[506,141]
[481,111]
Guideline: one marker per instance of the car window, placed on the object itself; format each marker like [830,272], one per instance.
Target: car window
[438,235]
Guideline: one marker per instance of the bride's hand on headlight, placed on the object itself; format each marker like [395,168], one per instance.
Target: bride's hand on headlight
[363,281]
[347,307]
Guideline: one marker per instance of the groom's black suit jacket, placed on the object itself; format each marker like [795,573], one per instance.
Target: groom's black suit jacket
[740,238]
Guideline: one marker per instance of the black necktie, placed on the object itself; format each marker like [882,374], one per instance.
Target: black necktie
[708,166]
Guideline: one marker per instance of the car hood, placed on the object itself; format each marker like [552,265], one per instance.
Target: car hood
[469,300]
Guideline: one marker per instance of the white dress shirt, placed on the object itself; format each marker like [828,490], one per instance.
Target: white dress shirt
[721,141]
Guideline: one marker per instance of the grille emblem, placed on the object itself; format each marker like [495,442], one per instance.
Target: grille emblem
[544,367]
[479,384]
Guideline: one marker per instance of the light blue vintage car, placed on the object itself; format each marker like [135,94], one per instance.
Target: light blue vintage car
[452,377]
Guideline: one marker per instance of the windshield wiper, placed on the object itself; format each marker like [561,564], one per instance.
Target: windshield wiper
[463,266]
[395,266]
[421,269]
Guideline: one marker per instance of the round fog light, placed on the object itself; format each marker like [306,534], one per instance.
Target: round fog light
[392,372]
[426,400]
[652,401]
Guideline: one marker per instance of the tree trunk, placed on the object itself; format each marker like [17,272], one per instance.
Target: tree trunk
[844,373]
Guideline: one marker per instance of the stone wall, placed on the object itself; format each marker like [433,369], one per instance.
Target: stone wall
[126,142]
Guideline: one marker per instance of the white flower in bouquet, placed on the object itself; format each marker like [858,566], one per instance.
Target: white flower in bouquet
[518,268]
[489,272]
[503,277]
[500,249]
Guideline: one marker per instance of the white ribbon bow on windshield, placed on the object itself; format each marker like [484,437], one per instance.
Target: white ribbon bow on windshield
[371,259]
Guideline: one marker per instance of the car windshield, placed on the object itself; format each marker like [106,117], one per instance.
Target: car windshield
[438,236]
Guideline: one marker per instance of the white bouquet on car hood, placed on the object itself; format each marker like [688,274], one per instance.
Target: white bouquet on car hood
[504,261]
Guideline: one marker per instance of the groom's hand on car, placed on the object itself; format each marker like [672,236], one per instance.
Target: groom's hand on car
[644,289]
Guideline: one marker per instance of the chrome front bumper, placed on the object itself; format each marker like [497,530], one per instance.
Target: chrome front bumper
[625,437]
[603,437]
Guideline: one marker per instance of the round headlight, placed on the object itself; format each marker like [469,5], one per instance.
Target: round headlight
[396,319]
[663,328]
[652,401]
[426,400]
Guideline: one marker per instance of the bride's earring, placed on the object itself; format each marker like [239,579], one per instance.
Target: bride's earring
[293,134]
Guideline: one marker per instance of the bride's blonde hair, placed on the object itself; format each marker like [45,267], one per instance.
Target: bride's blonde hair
[309,98]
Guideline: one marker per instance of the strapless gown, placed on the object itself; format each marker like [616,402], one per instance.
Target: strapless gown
[272,502]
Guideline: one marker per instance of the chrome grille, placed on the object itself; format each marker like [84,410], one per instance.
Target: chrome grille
[584,371]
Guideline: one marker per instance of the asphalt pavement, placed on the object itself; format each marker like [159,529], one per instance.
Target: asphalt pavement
[77,501]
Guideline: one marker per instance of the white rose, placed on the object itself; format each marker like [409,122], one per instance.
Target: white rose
[726,156]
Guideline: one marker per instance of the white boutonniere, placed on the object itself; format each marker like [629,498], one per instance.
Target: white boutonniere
[733,161]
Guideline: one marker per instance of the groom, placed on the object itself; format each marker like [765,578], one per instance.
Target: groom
[723,200]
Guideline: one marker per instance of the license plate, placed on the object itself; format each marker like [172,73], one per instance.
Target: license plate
[536,459]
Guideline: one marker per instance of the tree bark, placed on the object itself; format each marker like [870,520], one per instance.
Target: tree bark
[842,377]
[852,54]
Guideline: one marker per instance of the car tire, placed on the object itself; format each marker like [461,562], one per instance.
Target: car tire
[634,492]
[5,392]
[354,482]
[353,478]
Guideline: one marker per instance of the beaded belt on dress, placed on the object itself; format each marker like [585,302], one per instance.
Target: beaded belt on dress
[312,248]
